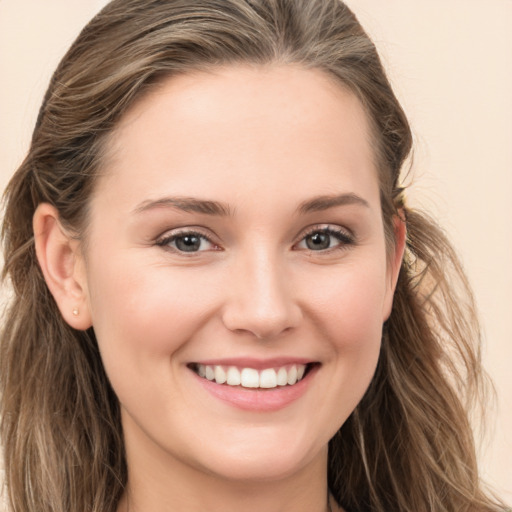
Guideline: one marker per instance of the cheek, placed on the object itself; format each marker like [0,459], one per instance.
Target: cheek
[141,318]
[349,305]
[348,309]
[345,307]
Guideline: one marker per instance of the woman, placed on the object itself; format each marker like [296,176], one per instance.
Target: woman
[222,300]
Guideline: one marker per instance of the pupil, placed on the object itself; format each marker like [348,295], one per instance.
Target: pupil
[188,243]
[318,241]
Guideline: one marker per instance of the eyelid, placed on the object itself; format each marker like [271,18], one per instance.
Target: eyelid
[170,235]
[345,236]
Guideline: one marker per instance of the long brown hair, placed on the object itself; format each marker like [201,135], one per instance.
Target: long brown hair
[408,446]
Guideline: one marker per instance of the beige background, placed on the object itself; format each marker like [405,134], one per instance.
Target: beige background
[451,63]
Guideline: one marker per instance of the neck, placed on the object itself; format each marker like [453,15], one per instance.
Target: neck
[230,498]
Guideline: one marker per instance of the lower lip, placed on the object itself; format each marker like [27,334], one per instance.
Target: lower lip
[258,400]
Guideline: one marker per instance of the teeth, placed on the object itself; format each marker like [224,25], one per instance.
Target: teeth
[282,377]
[251,378]
[220,375]
[233,376]
[209,373]
[268,378]
[292,375]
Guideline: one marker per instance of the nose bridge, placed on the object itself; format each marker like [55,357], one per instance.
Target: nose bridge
[262,300]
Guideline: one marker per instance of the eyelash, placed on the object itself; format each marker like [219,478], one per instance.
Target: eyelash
[343,237]
[167,240]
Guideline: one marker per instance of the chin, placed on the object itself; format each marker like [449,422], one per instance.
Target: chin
[266,458]
[249,468]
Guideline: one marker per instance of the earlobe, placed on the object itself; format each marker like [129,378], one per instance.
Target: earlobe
[58,254]
[396,258]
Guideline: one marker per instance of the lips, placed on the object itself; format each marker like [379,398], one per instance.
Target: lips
[249,377]
[261,386]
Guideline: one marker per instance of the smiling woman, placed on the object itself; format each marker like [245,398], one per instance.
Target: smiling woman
[284,282]
[222,301]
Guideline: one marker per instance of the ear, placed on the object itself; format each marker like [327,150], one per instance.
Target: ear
[61,262]
[395,260]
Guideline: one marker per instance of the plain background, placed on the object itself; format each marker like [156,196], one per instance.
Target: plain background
[451,65]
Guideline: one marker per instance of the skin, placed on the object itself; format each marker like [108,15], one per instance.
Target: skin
[263,142]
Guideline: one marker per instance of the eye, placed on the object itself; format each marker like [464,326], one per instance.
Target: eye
[325,238]
[187,242]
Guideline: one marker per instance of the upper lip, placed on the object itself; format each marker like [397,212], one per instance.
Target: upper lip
[255,363]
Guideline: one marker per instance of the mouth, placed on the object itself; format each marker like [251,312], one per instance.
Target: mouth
[251,378]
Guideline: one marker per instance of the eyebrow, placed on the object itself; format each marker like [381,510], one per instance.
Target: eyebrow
[186,204]
[321,203]
[208,207]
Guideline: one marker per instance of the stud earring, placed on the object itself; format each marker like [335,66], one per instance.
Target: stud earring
[75,312]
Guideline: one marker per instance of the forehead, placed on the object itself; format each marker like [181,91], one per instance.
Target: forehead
[242,126]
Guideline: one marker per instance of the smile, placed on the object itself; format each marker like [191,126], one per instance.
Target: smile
[267,378]
[256,385]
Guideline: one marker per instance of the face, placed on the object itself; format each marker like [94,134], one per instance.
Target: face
[236,234]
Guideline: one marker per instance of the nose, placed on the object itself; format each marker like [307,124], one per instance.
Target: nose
[261,298]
